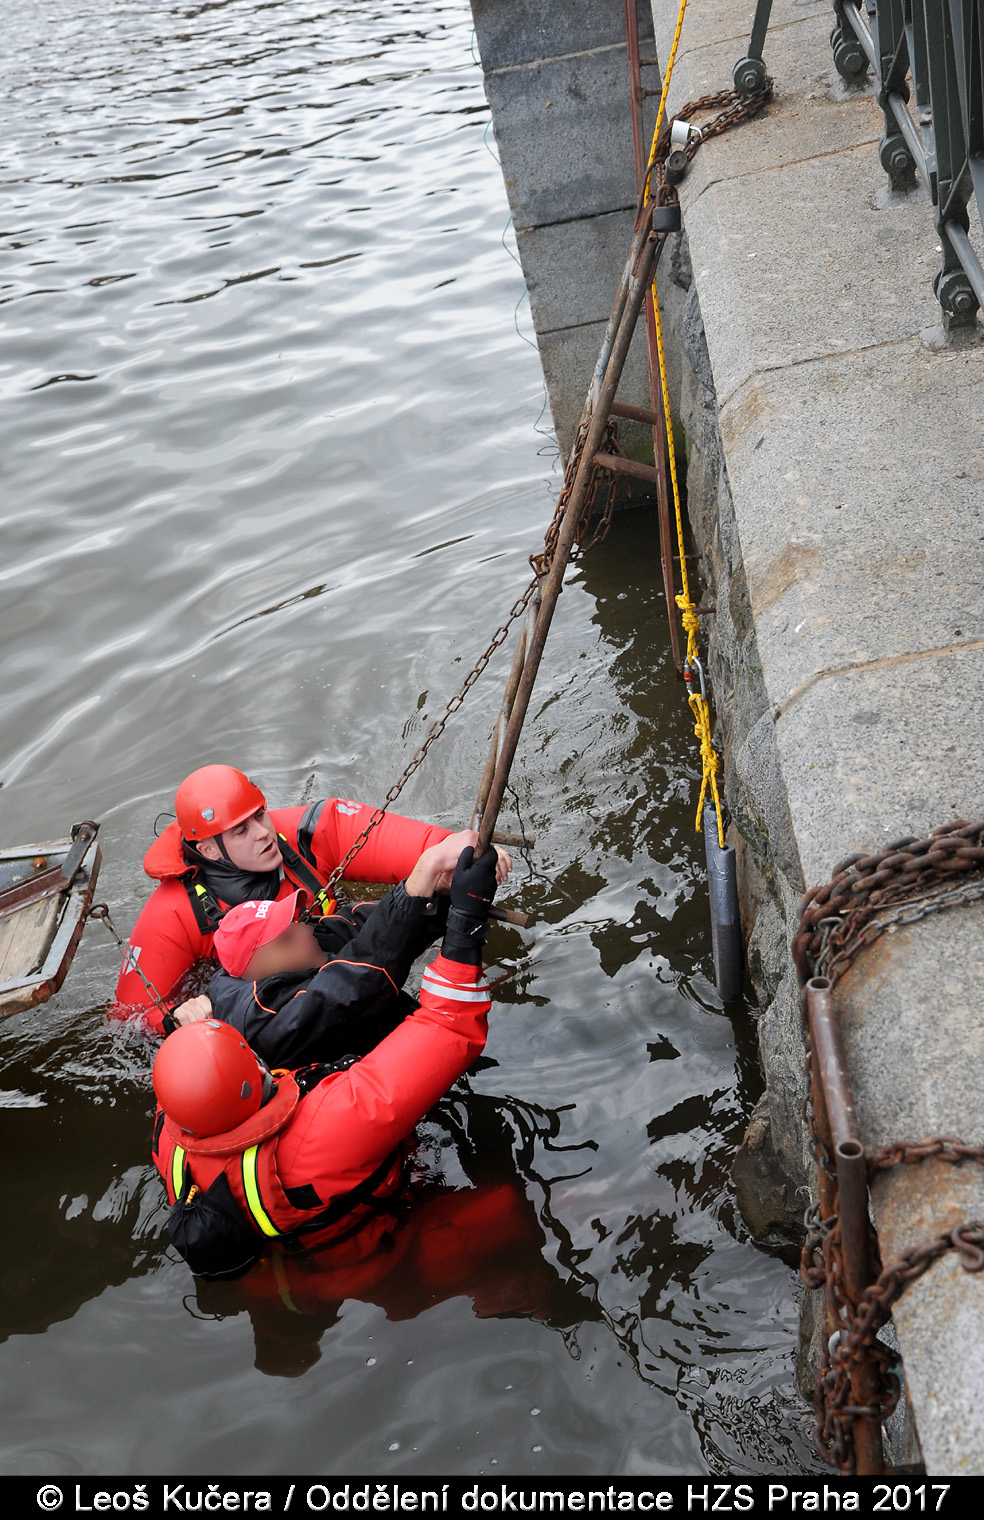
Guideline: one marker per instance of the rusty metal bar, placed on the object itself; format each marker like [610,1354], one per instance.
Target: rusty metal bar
[509,916]
[488,772]
[843,1141]
[514,841]
[636,95]
[845,1144]
[654,417]
[505,709]
[622,466]
[641,276]
[635,413]
[829,1049]
[639,236]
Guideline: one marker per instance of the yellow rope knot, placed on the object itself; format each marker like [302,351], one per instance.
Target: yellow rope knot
[689,618]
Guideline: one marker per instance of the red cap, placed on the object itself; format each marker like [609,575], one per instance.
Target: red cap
[251,925]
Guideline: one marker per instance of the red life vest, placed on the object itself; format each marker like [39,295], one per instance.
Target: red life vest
[174,928]
[165,861]
[247,1158]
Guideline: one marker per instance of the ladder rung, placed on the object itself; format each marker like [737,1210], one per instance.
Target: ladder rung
[623,466]
[634,413]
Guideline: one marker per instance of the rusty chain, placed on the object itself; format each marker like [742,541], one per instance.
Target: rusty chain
[942,1148]
[738,108]
[840,918]
[859,1338]
[867,895]
[435,732]
[101,914]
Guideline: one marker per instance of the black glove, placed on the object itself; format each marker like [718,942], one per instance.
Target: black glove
[472,891]
[334,931]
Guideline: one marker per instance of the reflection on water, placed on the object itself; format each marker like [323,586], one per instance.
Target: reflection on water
[481,1243]
[269,430]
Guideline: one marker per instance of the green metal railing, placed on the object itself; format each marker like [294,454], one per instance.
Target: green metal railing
[928,54]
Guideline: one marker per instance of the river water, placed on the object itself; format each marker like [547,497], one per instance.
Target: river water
[275,451]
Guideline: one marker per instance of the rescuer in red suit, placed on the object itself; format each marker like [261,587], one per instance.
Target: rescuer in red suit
[225,848]
[250,1157]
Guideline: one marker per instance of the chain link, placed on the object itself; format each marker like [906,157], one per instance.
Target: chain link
[867,895]
[100,912]
[909,879]
[738,108]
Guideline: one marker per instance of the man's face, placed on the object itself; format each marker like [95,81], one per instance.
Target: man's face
[251,845]
[294,950]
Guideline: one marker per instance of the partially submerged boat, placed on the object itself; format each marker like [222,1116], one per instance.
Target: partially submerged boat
[45,894]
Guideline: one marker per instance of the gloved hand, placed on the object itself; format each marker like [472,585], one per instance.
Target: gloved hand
[472,892]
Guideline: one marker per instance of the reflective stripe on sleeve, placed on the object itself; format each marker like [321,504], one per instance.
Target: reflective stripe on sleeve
[252,1190]
[442,989]
[177,1172]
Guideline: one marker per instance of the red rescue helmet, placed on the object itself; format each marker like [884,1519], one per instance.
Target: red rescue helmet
[214,799]
[207,1079]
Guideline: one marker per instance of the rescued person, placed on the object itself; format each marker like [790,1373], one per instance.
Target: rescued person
[294,1002]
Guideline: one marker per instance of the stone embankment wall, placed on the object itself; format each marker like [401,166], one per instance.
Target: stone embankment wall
[775,1167]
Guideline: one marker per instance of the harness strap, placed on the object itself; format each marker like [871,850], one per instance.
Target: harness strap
[306,827]
[302,873]
[251,1187]
[178,1172]
[207,912]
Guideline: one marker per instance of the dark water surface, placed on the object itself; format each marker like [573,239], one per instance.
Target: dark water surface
[271,474]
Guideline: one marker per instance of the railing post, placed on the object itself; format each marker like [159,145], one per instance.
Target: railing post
[950,179]
[749,73]
[892,48]
[942,43]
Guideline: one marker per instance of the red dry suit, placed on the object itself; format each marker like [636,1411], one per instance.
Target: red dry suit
[289,1161]
[168,938]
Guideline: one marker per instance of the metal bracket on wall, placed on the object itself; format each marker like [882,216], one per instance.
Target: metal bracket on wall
[749,73]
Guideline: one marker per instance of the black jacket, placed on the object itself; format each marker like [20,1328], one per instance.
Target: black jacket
[346,1006]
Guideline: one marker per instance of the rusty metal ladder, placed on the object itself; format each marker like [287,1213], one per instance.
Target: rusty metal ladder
[653,225]
[600,405]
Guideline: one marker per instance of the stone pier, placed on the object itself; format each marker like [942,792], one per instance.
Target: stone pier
[557,80]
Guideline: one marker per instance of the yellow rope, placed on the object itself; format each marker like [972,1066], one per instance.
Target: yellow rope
[710,764]
[663,94]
